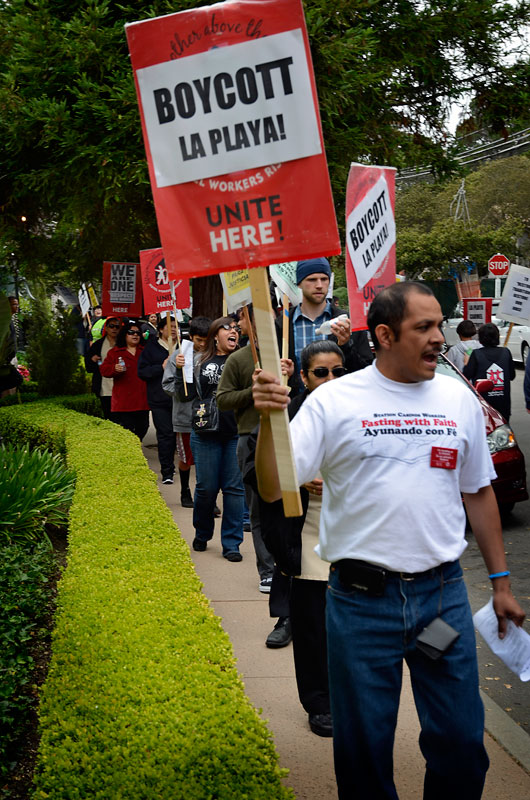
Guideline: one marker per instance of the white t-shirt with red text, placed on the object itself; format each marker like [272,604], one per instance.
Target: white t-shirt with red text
[394,458]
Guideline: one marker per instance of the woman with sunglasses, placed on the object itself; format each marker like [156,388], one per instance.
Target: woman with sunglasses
[214,451]
[129,394]
[302,597]
[97,353]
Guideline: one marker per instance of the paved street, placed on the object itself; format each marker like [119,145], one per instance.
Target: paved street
[496,680]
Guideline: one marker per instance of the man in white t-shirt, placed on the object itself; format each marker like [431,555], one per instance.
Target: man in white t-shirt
[397,446]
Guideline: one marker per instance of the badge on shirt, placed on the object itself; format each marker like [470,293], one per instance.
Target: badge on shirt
[444,457]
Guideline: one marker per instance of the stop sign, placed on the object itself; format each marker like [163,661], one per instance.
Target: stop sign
[498,265]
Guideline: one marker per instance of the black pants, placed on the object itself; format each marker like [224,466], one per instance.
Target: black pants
[308,624]
[166,438]
[135,421]
[105,405]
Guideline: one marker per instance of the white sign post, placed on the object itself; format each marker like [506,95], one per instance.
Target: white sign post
[515,302]
[230,109]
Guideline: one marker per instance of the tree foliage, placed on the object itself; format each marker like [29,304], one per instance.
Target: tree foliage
[73,162]
[498,199]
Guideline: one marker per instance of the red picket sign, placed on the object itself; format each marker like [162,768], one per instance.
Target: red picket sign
[121,293]
[155,284]
[233,138]
[370,237]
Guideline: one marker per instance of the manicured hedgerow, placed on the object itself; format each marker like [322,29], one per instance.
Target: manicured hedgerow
[142,699]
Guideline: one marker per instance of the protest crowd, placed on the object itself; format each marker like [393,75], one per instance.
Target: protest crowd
[358,587]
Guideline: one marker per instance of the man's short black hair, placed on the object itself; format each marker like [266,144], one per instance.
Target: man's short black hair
[466,329]
[488,335]
[314,349]
[199,326]
[388,307]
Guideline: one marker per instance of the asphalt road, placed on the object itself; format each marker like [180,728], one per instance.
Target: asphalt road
[505,688]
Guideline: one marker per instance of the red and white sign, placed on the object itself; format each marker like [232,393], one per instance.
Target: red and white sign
[233,138]
[370,237]
[121,293]
[499,265]
[477,309]
[155,284]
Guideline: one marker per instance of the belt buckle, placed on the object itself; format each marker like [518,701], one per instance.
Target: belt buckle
[406,576]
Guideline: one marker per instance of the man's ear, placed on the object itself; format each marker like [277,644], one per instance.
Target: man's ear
[385,336]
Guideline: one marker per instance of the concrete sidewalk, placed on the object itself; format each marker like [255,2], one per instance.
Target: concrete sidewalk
[270,683]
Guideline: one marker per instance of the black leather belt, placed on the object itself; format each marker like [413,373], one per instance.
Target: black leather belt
[372,579]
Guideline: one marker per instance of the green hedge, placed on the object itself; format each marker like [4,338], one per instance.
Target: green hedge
[142,699]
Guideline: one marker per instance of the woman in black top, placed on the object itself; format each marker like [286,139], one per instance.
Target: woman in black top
[494,363]
[214,451]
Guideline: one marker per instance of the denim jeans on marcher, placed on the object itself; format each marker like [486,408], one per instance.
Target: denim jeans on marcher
[368,638]
[216,468]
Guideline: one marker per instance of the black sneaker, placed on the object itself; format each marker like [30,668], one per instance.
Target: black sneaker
[199,545]
[281,634]
[167,479]
[186,500]
[321,724]
[234,556]
[265,585]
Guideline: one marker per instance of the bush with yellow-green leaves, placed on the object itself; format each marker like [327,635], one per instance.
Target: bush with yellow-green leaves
[142,698]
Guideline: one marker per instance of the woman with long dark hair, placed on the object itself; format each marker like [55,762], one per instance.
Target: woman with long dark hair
[97,353]
[214,450]
[129,394]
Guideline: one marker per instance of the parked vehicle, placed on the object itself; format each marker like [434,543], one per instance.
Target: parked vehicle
[508,460]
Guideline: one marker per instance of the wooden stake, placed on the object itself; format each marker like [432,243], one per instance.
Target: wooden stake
[251,337]
[285,333]
[270,360]
[179,346]
[170,344]
[508,334]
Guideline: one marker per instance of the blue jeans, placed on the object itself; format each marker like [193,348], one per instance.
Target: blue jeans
[368,638]
[216,468]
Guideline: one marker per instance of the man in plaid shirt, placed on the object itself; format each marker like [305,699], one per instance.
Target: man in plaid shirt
[313,277]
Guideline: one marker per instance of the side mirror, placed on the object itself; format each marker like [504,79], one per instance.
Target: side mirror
[484,385]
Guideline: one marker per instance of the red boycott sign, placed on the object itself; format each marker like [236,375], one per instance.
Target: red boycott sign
[155,284]
[477,309]
[370,237]
[232,134]
[121,293]
[499,265]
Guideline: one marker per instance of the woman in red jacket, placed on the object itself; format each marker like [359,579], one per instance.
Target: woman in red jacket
[129,394]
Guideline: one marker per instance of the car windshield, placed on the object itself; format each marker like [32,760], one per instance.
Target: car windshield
[444,367]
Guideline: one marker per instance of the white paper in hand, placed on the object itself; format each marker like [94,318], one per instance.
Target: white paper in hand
[514,649]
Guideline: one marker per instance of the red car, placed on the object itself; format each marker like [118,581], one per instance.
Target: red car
[508,460]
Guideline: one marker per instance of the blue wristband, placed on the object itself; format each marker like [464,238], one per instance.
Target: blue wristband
[499,575]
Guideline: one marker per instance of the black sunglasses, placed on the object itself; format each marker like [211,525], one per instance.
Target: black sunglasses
[134,333]
[227,327]
[113,325]
[323,372]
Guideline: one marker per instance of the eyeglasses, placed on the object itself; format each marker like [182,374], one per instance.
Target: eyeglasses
[113,325]
[227,327]
[323,372]
[133,333]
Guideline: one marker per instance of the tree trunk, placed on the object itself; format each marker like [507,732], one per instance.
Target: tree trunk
[207,297]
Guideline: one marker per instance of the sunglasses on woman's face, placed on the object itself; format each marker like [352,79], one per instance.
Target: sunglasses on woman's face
[323,372]
[227,327]
[133,333]
[113,325]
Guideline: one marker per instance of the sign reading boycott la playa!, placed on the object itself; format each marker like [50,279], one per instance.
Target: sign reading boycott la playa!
[232,134]
[370,237]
